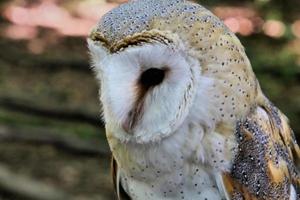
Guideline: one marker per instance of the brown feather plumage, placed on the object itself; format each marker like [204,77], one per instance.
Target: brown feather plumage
[264,165]
[114,170]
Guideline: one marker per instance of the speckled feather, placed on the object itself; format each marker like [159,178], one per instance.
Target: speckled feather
[208,38]
[260,147]
[264,167]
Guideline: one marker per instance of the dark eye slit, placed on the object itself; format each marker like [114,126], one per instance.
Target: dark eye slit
[152,77]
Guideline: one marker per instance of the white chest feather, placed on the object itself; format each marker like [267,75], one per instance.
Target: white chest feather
[189,182]
[184,166]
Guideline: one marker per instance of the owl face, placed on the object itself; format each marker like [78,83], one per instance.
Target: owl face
[165,64]
[146,90]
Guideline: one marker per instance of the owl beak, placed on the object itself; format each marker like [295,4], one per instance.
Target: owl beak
[148,80]
[133,117]
[127,126]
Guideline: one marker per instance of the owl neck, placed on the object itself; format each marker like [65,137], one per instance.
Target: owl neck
[191,144]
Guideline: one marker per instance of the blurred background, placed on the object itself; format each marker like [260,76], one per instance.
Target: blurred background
[52,143]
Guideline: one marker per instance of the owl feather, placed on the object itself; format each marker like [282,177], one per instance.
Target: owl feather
[184,114]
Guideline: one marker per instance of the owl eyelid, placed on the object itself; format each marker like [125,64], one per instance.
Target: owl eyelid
[138,40]
[115,49]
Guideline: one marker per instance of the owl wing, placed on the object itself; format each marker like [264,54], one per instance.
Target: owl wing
[121,194]
[267,158]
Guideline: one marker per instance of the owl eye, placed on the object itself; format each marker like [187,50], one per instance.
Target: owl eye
[152,77]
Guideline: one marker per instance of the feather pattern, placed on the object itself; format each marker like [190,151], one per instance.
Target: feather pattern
[264,165]
[207,131]
[119,190]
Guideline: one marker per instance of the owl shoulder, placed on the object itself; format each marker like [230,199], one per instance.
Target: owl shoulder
[267,159]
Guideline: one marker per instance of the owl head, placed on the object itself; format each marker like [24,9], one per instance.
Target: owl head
[165,65]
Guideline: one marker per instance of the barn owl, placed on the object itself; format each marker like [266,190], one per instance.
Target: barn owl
[184,114]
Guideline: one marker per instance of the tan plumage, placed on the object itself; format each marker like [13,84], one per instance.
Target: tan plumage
[224,139]
[264,167]
[122,195]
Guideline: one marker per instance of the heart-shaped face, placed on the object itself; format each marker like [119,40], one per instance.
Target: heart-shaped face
[146,90]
